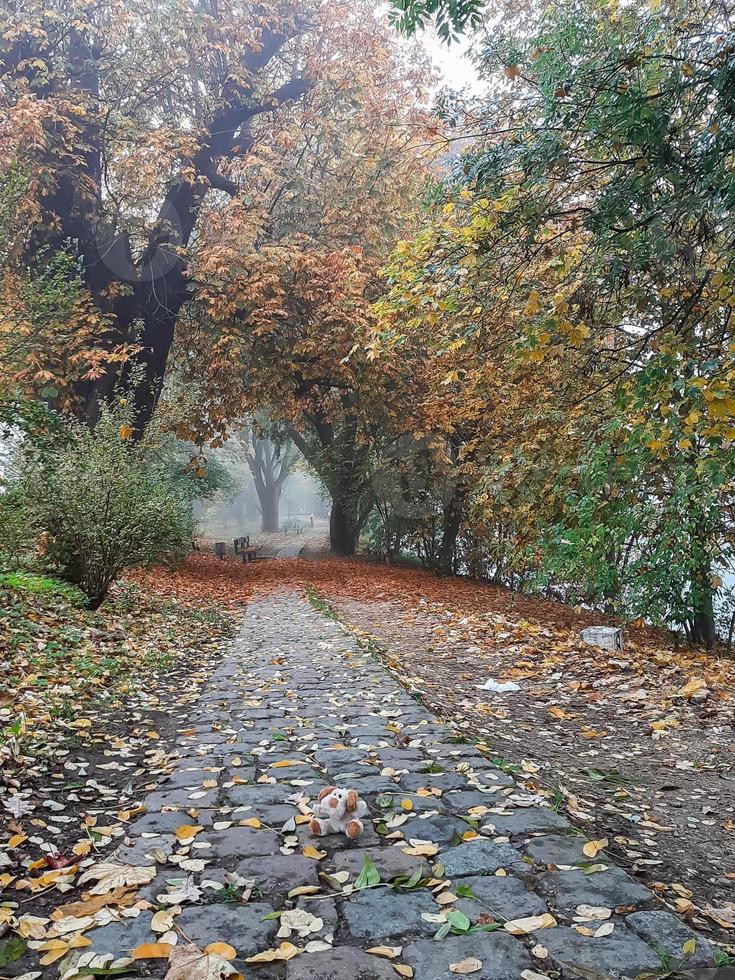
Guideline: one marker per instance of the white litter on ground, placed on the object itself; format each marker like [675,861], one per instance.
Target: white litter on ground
[499,687]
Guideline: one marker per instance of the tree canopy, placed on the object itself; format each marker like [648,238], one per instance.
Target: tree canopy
[498,326]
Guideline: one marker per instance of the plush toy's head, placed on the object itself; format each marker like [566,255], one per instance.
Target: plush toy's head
[342,801]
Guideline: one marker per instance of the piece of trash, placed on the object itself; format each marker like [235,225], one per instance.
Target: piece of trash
[607,637]
[499,687]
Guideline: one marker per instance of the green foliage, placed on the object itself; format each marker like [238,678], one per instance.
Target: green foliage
[41,585]
[104,502]
[452,17]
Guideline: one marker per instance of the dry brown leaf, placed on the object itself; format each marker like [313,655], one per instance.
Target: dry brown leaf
[110,876]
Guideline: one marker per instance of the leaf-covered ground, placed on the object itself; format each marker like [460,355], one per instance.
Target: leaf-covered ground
[85,725]
[638,748]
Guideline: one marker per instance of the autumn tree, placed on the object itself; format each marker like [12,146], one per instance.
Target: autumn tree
[270,456]
[288,271]
[580,256]
[120,119]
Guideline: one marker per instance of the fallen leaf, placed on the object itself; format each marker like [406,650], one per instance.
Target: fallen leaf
[521,927]
[152,951]
[466,966]
[224,950]
[109,876]
[286,951]
[593,847]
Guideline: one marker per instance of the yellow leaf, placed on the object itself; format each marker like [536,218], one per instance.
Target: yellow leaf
[313,853]
[388,952]
[285,951]
[16,839]
[251,822]
[689,947]
[187,831]
[283,763]
[520,927]
[691,687]
[403,971]
[304,890]
[152,951]
[406,805]
[224,950]
[125,432]
[593,847]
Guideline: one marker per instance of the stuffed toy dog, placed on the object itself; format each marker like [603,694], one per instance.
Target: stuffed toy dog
[338,811]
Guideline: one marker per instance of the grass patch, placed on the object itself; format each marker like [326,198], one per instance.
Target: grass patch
[43,585]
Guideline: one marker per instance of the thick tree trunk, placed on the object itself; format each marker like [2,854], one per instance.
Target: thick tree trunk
[344,529]
[703,629]
[270,500]
[703,621]
[270,467]
[452,520]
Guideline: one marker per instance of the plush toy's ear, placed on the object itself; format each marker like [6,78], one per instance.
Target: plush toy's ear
[351,804]
[325,792]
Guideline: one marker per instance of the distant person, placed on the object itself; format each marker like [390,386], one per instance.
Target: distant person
[311,518]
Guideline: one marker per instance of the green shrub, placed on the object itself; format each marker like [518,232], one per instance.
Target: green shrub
[15,529]
[105,501]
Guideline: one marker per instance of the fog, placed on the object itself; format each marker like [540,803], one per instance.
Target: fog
[236,509]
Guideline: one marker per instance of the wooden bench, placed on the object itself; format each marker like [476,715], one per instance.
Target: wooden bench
[294,526]
[248,552]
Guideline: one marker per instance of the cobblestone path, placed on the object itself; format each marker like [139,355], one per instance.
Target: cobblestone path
[295,706]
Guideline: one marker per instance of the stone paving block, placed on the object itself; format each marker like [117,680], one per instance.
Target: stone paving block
[374,785]
[502,956]
[444,781]
[138,852]
[503,897]
[166,823]
[182,799]
[479,856]
[237,843]
[440,829]
[119,938]
[275,876]
[255,795]
[239,925]
[664,931]
[525,820]
[556,849]
[622,954]
[376,914]
[188,778]
[419,804]
[461,801]
[339,842]
[340,963]
[565,890]
[389,862]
